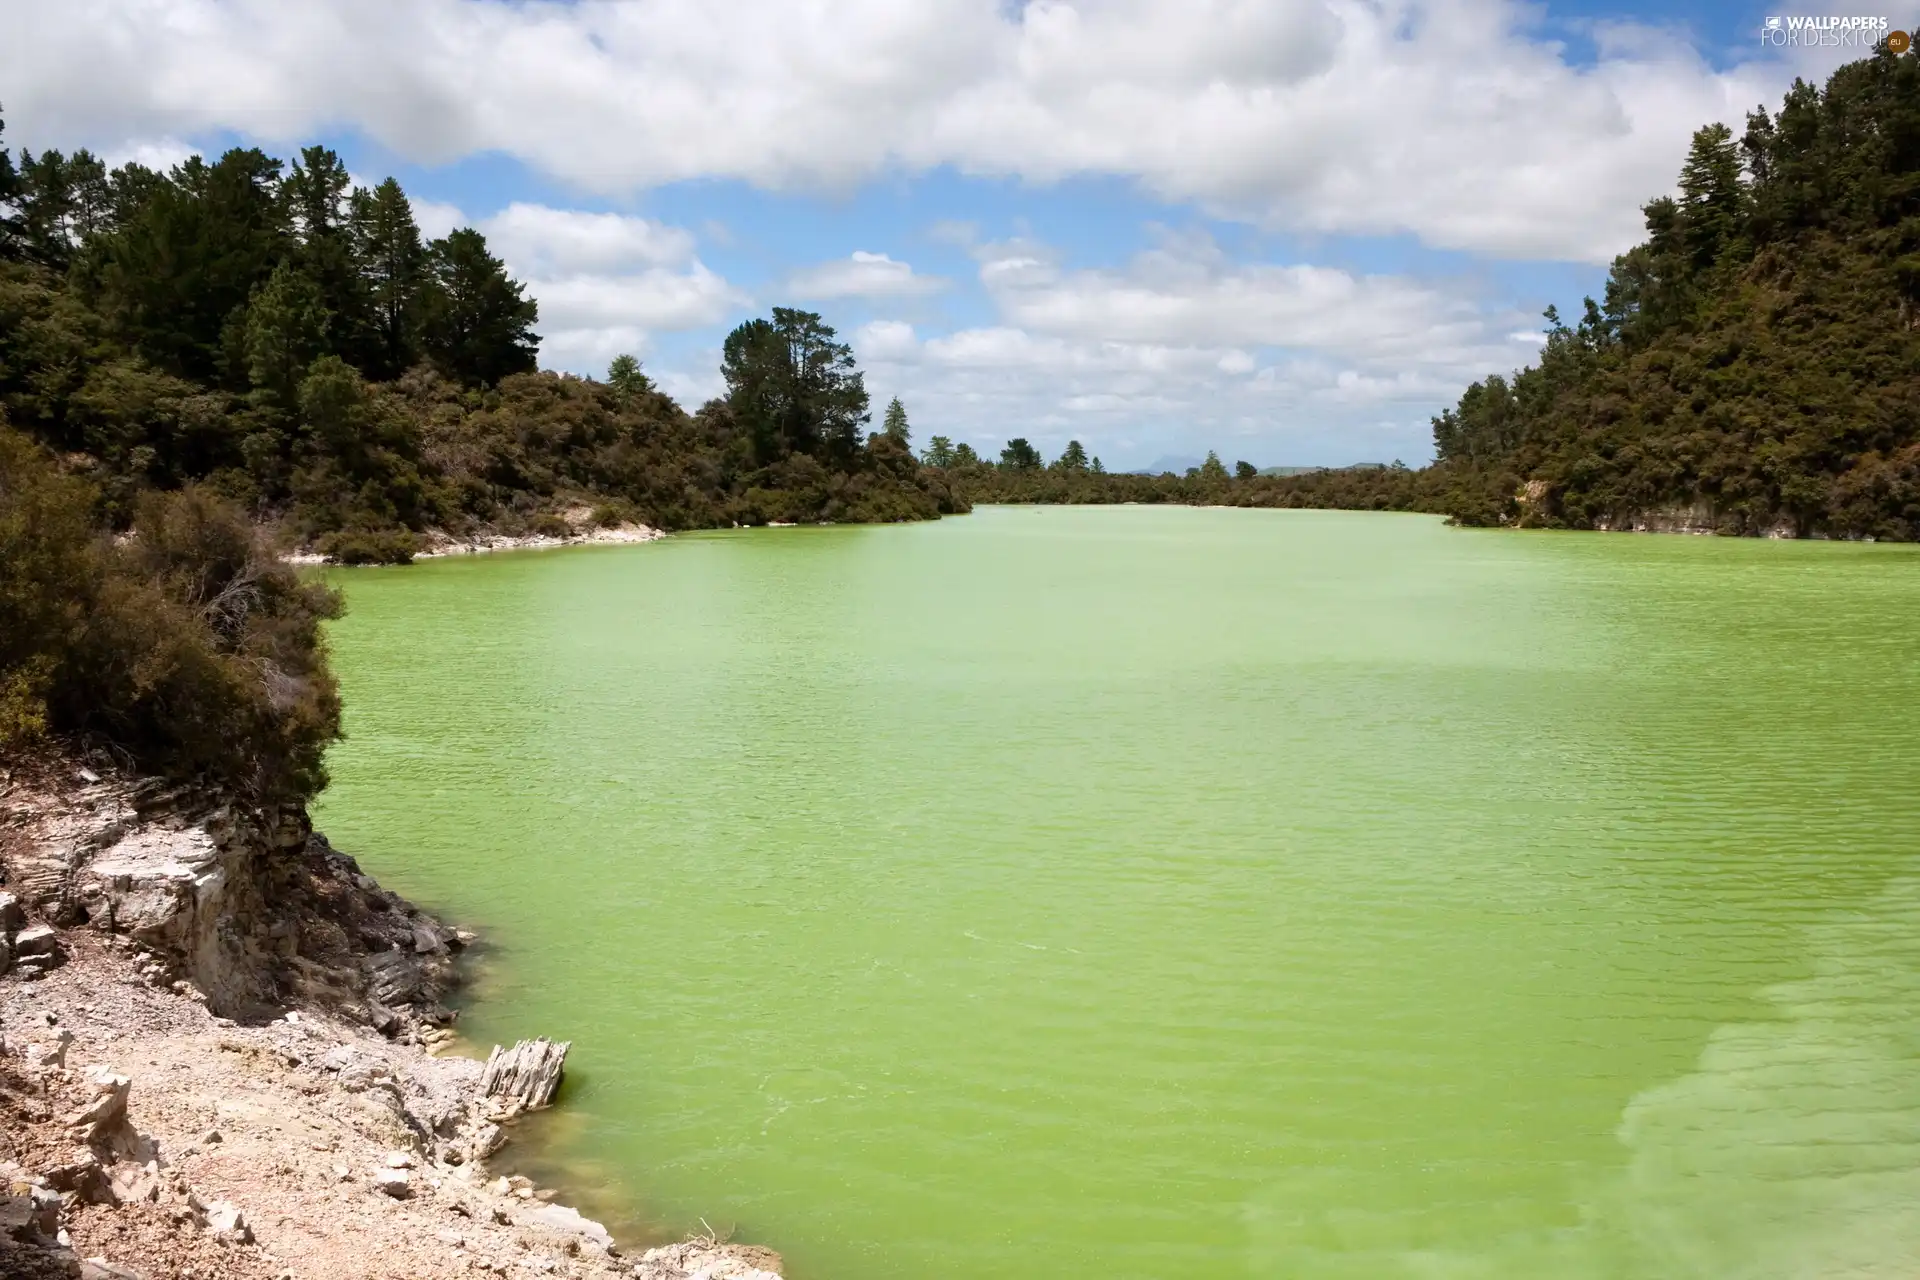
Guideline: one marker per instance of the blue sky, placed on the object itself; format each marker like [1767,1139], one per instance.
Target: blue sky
[1288,230]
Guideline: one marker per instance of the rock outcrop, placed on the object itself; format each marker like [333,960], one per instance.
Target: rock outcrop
[251,911]
[225,964]
[526,1076]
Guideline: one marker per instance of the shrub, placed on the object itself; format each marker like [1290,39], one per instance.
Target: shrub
[369,546]
[186,646]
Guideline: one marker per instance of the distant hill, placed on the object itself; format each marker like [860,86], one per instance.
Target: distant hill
[1178,465]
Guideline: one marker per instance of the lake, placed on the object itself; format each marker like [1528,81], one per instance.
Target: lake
[1157,893]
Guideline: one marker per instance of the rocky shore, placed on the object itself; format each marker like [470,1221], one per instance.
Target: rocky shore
[581,531]
[217,1060]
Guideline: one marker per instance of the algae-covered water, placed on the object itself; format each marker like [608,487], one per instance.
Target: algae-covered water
[1165,893]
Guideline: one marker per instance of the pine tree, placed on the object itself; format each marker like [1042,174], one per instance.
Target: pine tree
[178,271]
[626,378]
[939,453]
[793,387]
[1213,469]
[10,246]
[392,264]
[1019,455]
[476,323]
[286,328]
[319,195]
[894,423]
[1074,458]
[1713,200]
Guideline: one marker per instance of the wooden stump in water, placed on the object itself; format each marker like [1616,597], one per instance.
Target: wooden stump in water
[528,1073]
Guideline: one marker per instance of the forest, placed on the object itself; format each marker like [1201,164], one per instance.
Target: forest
[202,369]
[1752,368]
[1754,364]
[289,340]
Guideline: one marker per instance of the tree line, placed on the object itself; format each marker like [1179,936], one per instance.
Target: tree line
[1754,363]
[294,341]
[1752,367]
[1022,475]
[201,366]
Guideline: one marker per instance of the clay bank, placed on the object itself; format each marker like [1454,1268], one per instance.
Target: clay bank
[217,1059]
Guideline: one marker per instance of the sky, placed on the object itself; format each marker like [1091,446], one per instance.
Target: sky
[1287,230]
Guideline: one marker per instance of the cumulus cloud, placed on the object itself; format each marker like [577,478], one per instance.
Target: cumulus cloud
[862,275]
[606,282]
[546,241]
[158,154]
[1451,120]
[434,217]
[1187,292]
[1182,345]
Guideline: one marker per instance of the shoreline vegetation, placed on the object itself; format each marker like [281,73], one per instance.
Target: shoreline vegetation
[1753,368]
[203,370]
[289,343]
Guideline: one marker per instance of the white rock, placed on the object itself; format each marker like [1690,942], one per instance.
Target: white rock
[567,1222]
[397,1183]
[399,1160]
[529,1073]
[226,1222]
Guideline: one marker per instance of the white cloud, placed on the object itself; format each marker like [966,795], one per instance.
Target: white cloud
[545,241]
[606,282]
[1187,293]
[884,340]
[863,275]
[657,300]
[1447,119]
[1183,349]
[158,154]
[434,217]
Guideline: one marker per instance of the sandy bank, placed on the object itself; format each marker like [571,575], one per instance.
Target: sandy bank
[216,1060]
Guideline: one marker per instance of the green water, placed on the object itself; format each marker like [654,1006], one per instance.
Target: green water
[1139,893]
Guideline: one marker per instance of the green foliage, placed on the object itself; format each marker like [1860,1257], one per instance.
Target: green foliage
[368,546]
[1756,362]
[286,340]
[1355,488]
[793,388]
[1073,459]
[391,263]
[286,327]
[1244,470]
[174,275]
[476,325]
[10,245]
[1019,455]
[939,452]
[894,423]
[625,377]
[186,646]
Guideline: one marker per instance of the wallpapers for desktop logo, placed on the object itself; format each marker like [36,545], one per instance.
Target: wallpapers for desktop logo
[1800,31]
